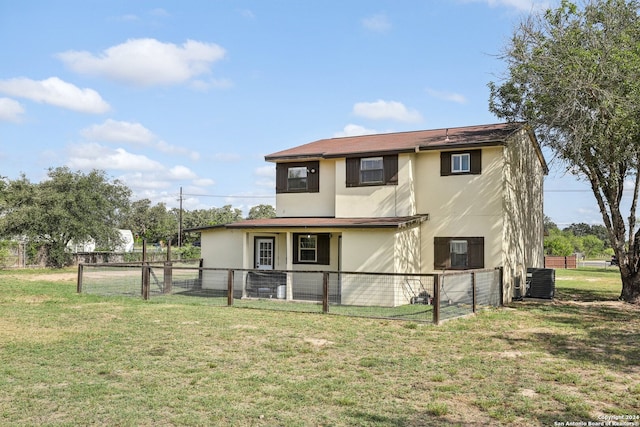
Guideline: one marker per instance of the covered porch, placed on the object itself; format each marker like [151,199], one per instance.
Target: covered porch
[301,246]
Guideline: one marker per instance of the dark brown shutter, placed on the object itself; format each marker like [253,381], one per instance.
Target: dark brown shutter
[476,162]
[353,172]
[323,249]
[281,177]
[323,253]
[295,248]
[475,252]
[391,169]
[445,163]
[441,253]
[313,177]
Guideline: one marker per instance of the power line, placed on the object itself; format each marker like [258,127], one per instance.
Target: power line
[231,197]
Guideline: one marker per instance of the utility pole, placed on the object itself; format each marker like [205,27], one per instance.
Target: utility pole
[180,221]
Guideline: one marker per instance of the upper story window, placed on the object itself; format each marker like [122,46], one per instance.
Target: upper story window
[371,170]
[298,177]
[461,162]
[366,171]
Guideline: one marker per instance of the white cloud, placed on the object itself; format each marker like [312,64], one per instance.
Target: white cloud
[226,157]
[381,110]
[118,131]
[354,130]
[204,182]
[447,96]
[174,149]
[127,18]
[206,85]
[135,133]
[10,110]
[160,12]
[180,172]
[144,184]
[56,92]
[247,13]
[378,23]
[266,183]
[147,62]
[265,171]
[95,156]
[521,5]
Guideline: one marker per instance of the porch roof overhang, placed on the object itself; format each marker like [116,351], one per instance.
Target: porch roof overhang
[321,223]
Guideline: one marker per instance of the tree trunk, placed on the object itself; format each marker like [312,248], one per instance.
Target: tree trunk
[630,287]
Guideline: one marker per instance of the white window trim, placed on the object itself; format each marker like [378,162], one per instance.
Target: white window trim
[460,158]
[459,244]
[313,238]
[303,176]
[362,169]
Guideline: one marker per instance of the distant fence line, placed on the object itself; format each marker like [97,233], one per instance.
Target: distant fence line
[418,297]
[560,262]
[117,257]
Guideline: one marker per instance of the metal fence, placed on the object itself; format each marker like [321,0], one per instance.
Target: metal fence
[418,297]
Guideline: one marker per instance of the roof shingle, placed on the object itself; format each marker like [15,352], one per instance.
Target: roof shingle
[458,137]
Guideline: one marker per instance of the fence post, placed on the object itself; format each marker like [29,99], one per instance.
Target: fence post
[80,272]
[143,263]
[200,265]
[473,285]
[436,299]
[146,273]
[501,284]
[325,292]
[230,275]
[168,271]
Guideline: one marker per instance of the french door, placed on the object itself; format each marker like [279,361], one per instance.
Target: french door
[264,249]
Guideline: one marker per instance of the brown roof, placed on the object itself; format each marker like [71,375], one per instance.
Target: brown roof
[315,223]
[460,137]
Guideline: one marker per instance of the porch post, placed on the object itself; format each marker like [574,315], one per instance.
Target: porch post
[289,258]
[246,260]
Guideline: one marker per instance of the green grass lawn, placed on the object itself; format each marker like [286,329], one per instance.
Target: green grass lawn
[69,359]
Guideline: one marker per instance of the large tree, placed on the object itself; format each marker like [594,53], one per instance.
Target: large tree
[68,206]
[262,211]
[154,223]
[574,76]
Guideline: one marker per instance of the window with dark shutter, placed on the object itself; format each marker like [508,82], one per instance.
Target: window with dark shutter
[461,162]
[298,177]
[442,256]
[368,171]
[476,252]
[458,253]
[311,248]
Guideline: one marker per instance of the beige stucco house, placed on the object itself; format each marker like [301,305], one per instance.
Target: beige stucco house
[409,202]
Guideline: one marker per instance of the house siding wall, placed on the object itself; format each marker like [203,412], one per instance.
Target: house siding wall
[378,251]
[523,212]
[376,200]
[461,205]
[220,249]
[320,204]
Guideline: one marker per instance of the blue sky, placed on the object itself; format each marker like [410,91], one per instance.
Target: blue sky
[164,95]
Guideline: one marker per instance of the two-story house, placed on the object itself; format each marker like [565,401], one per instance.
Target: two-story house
[408,202]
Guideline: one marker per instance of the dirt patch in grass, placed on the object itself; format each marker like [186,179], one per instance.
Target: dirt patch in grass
[46,277]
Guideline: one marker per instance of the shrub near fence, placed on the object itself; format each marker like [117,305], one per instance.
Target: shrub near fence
[419,297]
